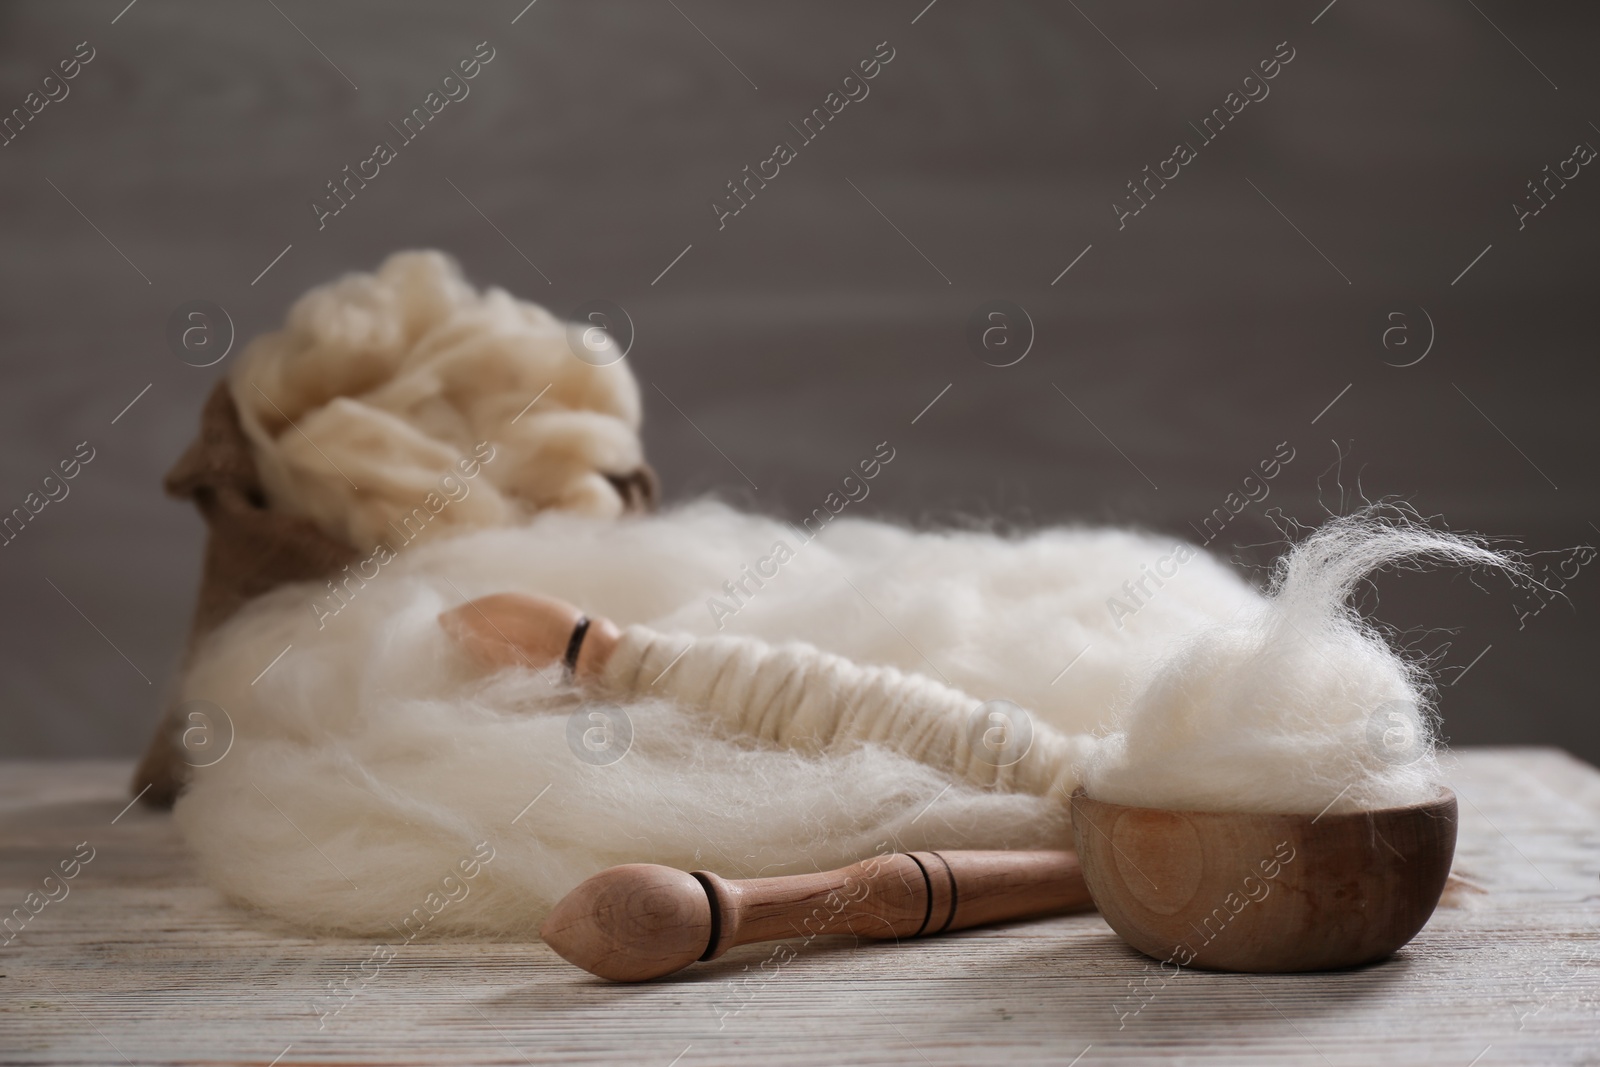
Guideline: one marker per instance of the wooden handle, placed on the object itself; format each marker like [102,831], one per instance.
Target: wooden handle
[518,630]
[640,921]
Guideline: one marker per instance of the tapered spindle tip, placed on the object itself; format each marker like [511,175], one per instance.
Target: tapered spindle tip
[632,923]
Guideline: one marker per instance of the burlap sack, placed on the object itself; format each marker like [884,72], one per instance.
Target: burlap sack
[252,549]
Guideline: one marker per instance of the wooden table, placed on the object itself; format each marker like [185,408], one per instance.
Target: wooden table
[141,963]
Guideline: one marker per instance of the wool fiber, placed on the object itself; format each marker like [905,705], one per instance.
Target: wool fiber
[371,402]
[1296,704]
[372,757]
[823,710]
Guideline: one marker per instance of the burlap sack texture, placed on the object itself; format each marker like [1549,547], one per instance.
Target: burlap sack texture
[252,549]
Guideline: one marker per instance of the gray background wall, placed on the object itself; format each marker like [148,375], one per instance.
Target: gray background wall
[1192,342]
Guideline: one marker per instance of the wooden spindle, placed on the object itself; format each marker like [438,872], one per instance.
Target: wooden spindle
[641,921]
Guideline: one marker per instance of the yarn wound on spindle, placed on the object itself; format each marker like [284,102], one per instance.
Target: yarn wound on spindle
[797,697]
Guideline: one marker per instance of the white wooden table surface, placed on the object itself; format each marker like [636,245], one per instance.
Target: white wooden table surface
[140,963]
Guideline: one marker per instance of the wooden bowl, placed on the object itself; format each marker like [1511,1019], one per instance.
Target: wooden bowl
[1230,891]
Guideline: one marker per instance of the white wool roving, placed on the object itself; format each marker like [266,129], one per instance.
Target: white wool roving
[384,392]
[379,783]
[1296,705]
[373,757]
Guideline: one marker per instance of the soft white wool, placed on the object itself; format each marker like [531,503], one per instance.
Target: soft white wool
[373,752]
[1296,704]
[372,759]
[381,385]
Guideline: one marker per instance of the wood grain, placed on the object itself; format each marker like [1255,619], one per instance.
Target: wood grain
[641,921]
[633,922]
[1234,891]
[899,896]
[141,958]
[882,897]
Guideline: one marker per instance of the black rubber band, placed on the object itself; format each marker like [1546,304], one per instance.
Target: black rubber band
[955,897]
[927,888]
[716,914]
[575,644]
